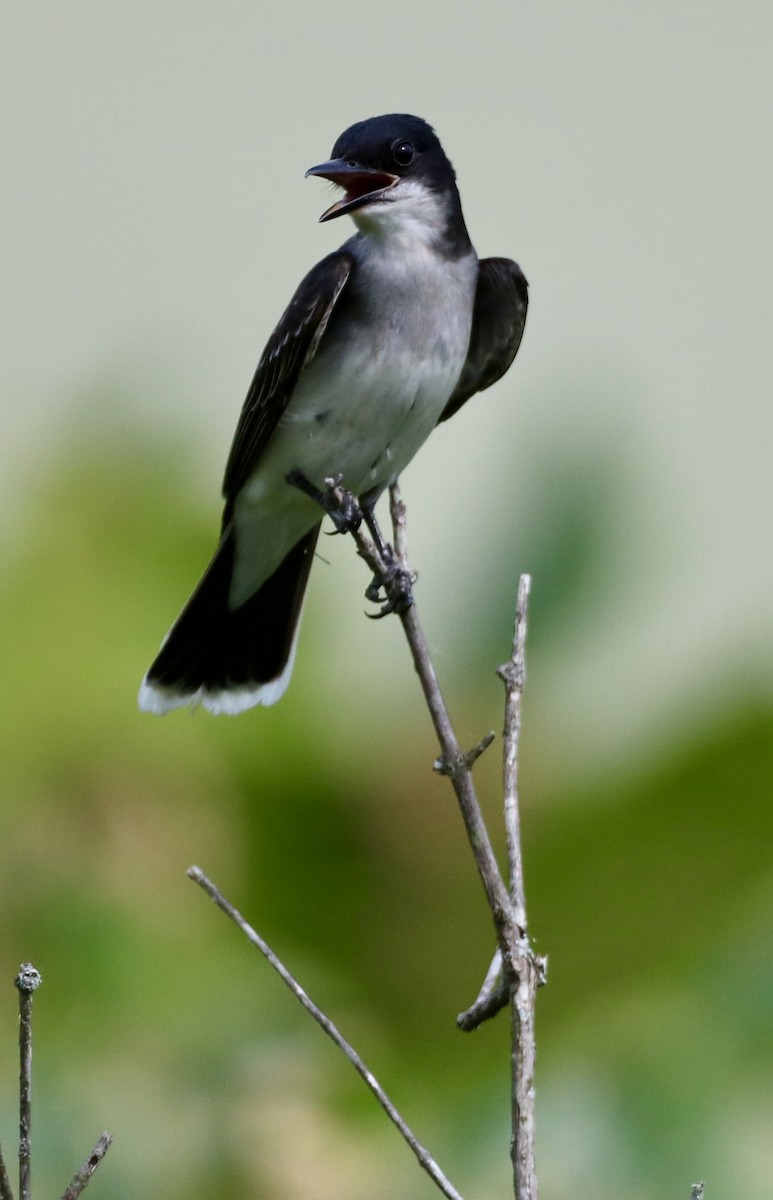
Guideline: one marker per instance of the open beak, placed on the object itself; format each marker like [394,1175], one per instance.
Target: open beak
[361,184]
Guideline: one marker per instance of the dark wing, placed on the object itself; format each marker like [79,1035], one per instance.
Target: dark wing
[293,343]
[498,319]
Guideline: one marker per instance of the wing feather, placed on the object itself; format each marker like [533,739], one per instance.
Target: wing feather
[293,343]
[498,320]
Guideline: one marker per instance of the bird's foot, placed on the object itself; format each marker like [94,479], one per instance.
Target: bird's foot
[392,588]
[342,508]
[395,581]
[340,505]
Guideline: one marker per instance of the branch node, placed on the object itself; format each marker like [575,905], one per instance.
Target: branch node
[453,765]
[513,675]
[28,978]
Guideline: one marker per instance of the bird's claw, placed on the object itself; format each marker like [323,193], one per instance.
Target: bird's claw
[340,505]
[396,584]
[343,510]
[390,588]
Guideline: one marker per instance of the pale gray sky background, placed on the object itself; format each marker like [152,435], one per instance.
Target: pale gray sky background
[155,222]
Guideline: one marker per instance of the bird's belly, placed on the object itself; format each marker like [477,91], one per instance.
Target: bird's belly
[365,424]
[365,428]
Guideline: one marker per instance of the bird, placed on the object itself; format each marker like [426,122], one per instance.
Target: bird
[385,338]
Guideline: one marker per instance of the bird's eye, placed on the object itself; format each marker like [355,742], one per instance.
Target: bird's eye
[402,153]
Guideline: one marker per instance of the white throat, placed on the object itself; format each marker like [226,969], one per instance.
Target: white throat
[408,216]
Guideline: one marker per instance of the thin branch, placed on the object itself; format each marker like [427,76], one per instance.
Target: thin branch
[492,998]
[82,1177]
[453,762]
[513,674]
[522,971]
[424,1157]
[528,970]
[27,981]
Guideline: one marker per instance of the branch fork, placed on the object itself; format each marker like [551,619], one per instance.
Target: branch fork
[516,972]
[519,972]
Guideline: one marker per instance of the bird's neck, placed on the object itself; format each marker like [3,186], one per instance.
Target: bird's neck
[417,223]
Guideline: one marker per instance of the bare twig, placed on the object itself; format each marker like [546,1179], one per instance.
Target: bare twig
[82,1177]
[513,674]
[27,981]
[492,998]
[397,512]
[457,766]
[528,970]
[424,1157]
[522,971]
[453,761]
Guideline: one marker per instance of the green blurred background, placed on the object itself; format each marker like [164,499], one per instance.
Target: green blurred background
[154,223]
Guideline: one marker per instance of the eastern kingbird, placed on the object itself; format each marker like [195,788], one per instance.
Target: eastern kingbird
[383,339]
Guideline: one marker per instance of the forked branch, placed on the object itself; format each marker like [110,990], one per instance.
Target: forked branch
[515,973]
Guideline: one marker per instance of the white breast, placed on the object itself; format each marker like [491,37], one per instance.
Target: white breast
[373,394]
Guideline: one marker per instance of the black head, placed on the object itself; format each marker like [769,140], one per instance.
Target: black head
[373,156]
[398,143]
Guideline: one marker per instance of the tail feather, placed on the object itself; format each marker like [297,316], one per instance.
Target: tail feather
[226,659]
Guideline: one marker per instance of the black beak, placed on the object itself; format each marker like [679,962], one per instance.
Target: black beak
[361,184]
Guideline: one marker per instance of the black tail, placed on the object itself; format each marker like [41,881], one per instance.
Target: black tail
[230,660]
